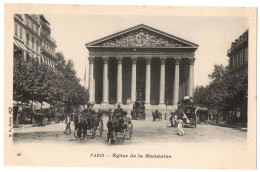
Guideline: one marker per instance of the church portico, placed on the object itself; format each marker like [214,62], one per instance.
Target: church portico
[140,64]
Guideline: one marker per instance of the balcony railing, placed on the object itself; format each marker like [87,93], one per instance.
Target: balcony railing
[48,37]
[52,53]
[243,40]
[46,26]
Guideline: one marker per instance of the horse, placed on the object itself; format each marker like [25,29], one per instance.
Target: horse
[157,115]
[115,124]
[84,122]
[78,123]
[97,122]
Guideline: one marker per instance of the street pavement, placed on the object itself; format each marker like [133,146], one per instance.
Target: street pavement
[145,132]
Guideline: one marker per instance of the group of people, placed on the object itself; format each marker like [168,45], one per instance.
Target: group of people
[175,120]
[89,117]
[79,121]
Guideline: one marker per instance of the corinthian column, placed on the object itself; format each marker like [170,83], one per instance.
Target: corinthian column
[176,81]
[105,80]
[133,80]
[191,77]
[91,80]
[148,81]
[162,81]
[119,80]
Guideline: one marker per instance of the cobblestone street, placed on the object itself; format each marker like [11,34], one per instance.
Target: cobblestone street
[145,132]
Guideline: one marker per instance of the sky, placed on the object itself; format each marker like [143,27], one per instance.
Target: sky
[214,36]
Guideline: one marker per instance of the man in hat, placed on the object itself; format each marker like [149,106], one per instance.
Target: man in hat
[87,116]
[89,110]
[118,111]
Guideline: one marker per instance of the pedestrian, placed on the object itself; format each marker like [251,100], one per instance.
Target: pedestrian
[165,115]
[175,118]
[180,125]
[171,120]
[67,122]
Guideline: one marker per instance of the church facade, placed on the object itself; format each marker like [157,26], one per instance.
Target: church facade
[140,63]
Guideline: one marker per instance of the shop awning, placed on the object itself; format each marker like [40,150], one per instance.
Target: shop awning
[20,45]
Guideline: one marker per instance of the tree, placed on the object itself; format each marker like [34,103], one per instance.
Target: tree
[40,83]
[226,90]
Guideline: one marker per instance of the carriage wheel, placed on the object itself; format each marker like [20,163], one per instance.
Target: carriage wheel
[101,129]
[124,135]
[43,123]
[33,122]
[109,140]
[130,134]
[93,133]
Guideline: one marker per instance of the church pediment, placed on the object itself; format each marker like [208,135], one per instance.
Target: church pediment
[141,36]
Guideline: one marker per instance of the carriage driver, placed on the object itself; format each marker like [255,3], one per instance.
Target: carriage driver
[118,110]
[89,109]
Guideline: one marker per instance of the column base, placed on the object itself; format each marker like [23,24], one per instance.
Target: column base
[162,106]
[119,103]
[104,103]
[175,106]
[147,106]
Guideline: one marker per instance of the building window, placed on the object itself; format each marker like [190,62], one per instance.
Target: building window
[16,29]
[233,58]
[21,32]
[27,39]
[241,58]
[32,42]
[28,58]
[246,55]
[230,62]
[37,46]
[237,59]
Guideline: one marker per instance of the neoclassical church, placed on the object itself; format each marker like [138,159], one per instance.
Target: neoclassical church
[140,63]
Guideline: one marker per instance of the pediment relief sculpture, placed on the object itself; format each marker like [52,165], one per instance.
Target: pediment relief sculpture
[142,38]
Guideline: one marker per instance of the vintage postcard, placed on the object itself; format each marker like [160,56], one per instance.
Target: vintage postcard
[130,86]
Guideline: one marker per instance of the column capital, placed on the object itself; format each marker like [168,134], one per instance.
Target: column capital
[133,59]
[91,60]
[191,61]
[177,60]
[148,60]
[163,59]
[119,60]
[105,59]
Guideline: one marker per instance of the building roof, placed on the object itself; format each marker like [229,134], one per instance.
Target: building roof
[238,43]
[174,41]
[44,19]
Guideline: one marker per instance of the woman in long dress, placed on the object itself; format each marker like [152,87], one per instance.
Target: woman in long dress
[180,126]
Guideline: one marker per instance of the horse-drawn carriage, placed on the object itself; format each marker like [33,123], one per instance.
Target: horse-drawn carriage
[119,123]
[157,115]
[39,117]
[88,121]
[138,111]
[202,115]
[186,109]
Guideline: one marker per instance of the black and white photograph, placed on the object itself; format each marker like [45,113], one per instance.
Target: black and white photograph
[147,87]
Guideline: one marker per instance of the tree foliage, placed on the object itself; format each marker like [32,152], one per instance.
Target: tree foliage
[226,90]
[39,82]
